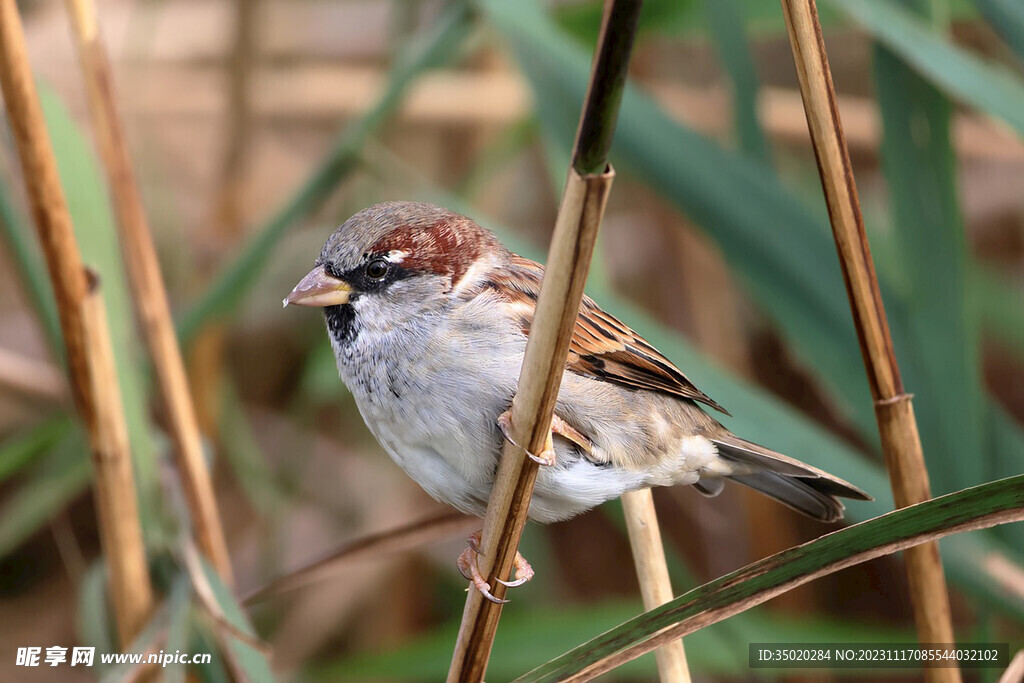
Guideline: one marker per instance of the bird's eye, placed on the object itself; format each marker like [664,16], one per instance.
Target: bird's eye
[377,268]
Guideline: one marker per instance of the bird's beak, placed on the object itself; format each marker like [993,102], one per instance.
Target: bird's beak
[319,288]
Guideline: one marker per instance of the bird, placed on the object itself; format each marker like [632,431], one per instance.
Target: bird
[428,316]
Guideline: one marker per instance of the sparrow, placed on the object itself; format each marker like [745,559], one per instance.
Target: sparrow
[428,315]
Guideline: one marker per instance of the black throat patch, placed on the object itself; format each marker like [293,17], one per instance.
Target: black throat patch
[341,323]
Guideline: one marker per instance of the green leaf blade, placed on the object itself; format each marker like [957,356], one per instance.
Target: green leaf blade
[726,19]
[988,87]
[992,503]
[1007,18]
[936,331]
[97,237]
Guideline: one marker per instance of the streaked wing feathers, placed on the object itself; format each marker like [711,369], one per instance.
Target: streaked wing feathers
[602,346]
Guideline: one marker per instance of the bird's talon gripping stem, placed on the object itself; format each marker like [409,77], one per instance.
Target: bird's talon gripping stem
[468,564]
[474,540]
[523,573]
[468,567]
[545,459]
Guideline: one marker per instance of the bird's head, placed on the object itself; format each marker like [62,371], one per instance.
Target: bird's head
[393,264]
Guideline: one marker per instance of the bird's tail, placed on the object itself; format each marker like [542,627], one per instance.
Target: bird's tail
[806,489]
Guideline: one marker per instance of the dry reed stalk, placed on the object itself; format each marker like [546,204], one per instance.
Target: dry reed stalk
[893,408]
[401,539]
[148,289]
[572,245]
[86,337]
[655,585]
[115,487]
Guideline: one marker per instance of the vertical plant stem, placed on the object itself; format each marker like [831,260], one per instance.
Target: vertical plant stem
[893,408]
[593,140]
[652,571]
[86,337]
[607,82]
[116,501]
[148,287]
[572,245]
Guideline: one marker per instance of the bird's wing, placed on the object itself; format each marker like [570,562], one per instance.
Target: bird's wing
[602,346]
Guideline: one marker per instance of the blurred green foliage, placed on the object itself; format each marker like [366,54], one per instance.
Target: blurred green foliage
[940,300]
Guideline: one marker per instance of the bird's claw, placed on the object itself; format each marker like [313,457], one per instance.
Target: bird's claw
[523,573]
[469,567]
[545,459]
[474,540]
[468,564]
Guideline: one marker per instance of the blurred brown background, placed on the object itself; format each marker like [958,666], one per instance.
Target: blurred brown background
[230,105]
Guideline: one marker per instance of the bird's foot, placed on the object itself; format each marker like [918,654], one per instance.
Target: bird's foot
[546,458]
[522,570]
[469,567]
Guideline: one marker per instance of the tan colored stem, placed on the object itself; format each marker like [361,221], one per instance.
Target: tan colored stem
[575,232]
[148,288]
[86,337]
[115,488]
[897,426]
[651,570]
[572,245]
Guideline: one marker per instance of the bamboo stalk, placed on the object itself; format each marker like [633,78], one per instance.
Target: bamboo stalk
[893,408]
[572,245]
[150,295]
[115,487]
[86,337]
[561,292]
[651,570]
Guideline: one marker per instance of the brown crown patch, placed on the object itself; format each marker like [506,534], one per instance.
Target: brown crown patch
[448,247]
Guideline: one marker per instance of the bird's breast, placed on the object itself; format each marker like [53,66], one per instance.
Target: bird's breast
[432,394]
